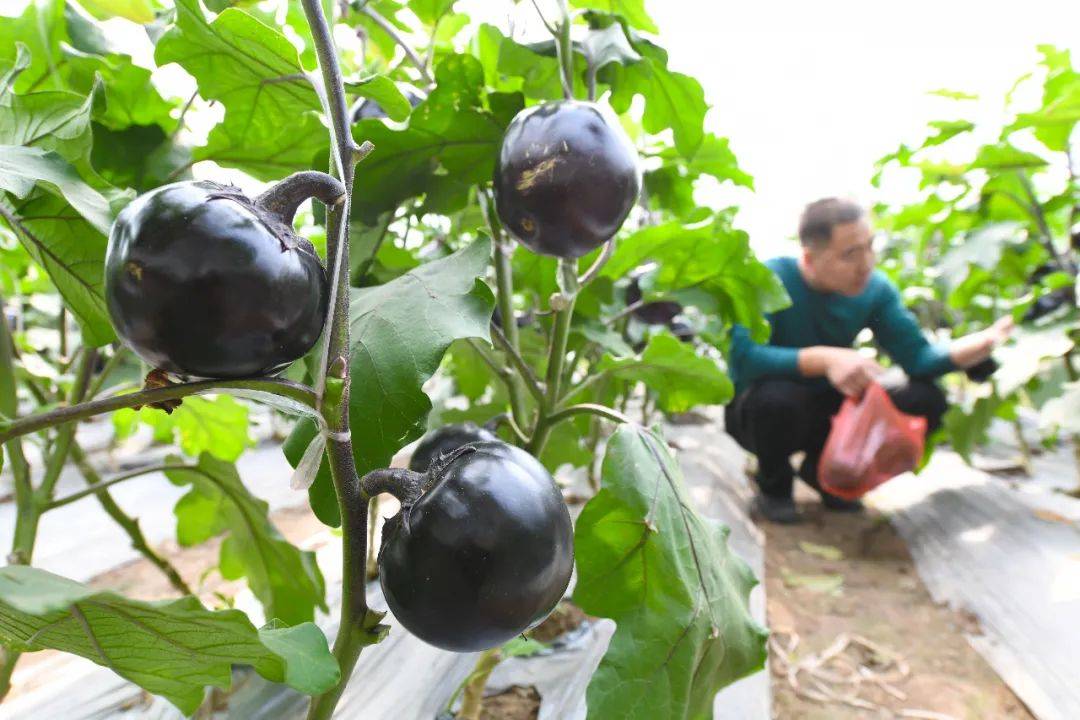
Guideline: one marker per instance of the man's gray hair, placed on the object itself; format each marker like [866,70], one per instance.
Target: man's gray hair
[821,216]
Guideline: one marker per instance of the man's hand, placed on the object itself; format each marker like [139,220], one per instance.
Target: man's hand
[972,349]
[847,370]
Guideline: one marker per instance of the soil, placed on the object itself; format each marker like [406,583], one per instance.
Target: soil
[870,591]
[562,620]
[514,703]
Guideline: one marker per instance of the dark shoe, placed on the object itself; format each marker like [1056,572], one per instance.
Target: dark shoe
[780,510]
[839,504]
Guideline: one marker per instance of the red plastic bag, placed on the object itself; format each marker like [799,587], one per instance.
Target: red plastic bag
[870,442]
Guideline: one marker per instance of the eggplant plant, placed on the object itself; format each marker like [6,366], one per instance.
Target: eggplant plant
[537,175]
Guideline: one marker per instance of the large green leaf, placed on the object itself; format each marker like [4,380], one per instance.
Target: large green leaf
[673,101]
[681,378]
[270,126]
[400,332]
[59,210]
[286,580]
[72,252]
[40,28]
[68,50]
[667,577]
[449,145]
[23,168]
[58,121]
[173,648]
[218,426]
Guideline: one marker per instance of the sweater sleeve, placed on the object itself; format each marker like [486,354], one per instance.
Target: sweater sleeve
[753,360]
[898,332]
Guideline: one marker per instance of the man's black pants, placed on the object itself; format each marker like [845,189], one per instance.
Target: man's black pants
[776,418]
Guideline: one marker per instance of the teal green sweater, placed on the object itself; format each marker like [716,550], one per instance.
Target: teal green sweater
[816,318]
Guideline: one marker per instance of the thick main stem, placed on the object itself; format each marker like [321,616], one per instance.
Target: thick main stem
[357,624]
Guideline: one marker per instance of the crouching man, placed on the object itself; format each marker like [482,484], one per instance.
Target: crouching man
[787,391]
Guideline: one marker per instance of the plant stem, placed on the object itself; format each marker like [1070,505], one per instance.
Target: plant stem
[82,411]
[102,485]
[111,364]
[31,503]
[532,383]
[20,469]
[560,334]
[598,410]
[594,270]
[372,559]
[392,31]
[504,282]
[472,698]
[65,436]
[62,326]
[358,625]
[1044,228]
[565,51]
[127,523]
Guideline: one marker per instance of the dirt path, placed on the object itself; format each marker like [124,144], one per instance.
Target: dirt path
[837,574]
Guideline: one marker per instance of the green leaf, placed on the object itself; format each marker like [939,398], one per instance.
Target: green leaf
[708,264]
[137,11]
[11,70]
[218,426]
[400,331]
[673,101]
[429,11]
[130,97]
[947,130]
[270,126]
[604,336]
[23,168]
[681,378]
[470,373]
[715,158]
[667,577]
[58,121]
[72,252]
[982,248]
[1025,357]
[603,46]
[1003,156]
[449,146]
[309,664]
[632,11]
[287,581]
[142,157]
[171,648]
[41,28]
[1063,412]
[385,92]
[967,427]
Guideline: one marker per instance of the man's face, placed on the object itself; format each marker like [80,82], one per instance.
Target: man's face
[844,265]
